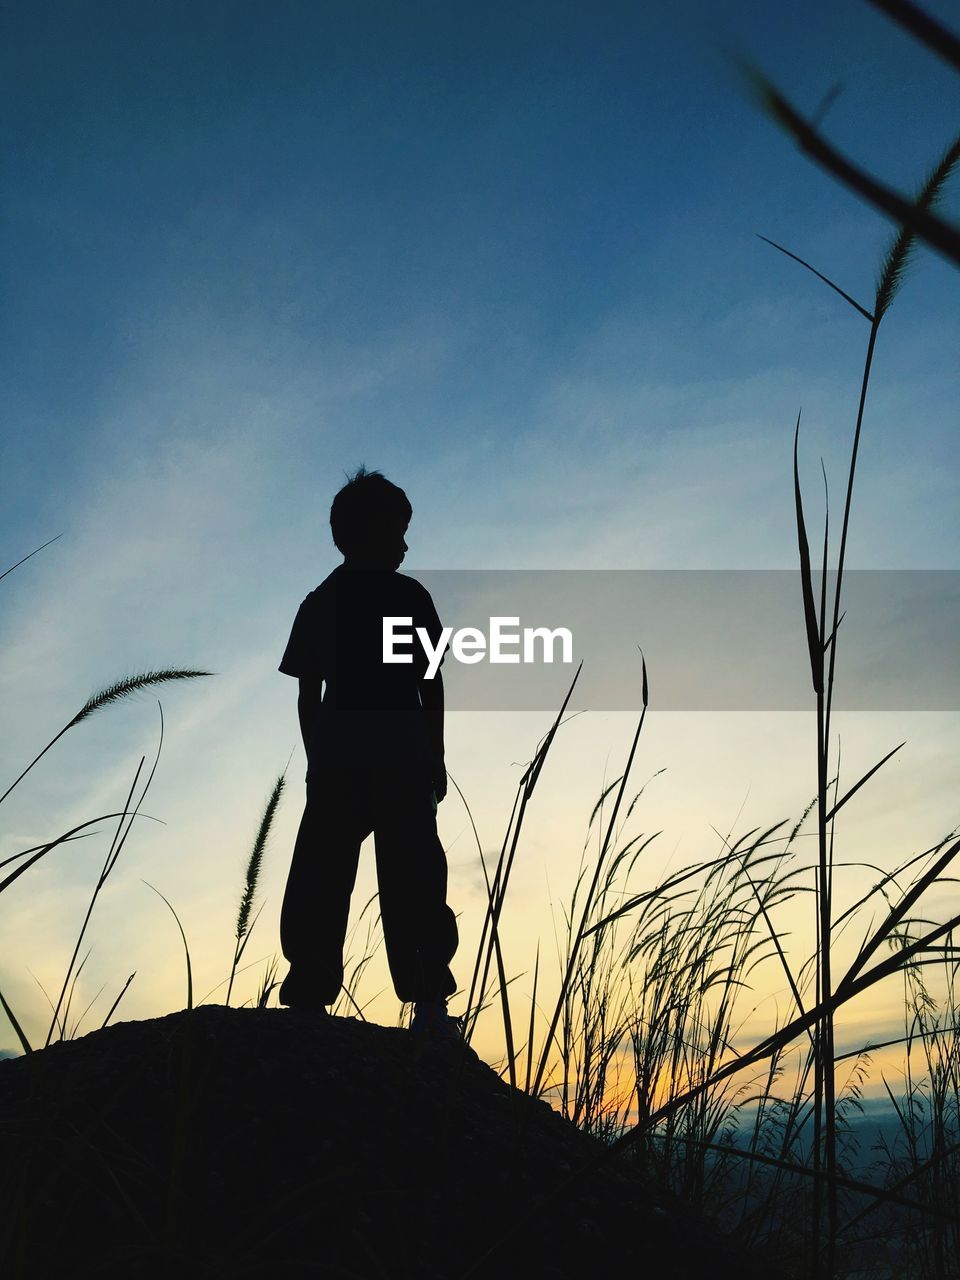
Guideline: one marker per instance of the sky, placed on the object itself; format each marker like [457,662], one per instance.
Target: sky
[507,254]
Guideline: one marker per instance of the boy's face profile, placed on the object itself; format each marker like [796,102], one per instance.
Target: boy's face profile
[395,544]
[386,548]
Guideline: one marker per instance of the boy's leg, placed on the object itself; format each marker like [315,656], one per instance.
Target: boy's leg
[419,929]
[316,903]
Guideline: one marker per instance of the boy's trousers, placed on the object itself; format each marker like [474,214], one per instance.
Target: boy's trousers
[419,929]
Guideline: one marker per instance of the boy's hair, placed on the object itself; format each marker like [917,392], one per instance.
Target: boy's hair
[367,507]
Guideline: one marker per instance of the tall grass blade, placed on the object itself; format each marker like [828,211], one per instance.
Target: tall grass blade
[589,900]
[113,1008]
[924,27]
[866,778]
[890,877]
[73,988]
[80,1021]
[255,861]
[131,684]
[819,274]
[268,984]
[887,1044]
[18,1030]
[897,257]
[774,936]
[240,950]
[541,755]
[507,1019]
[116,845]
[891,1192]
[42,850]
[843,993]
[29,555]
[533,1010]
[36,848]
[899,910]
[599,805]
[105,697]
[491,889]
[681,877]
[938,233]
[186,948]
[496,892]
[814,647]
[251,878]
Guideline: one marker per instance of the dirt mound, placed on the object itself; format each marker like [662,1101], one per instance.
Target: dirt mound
[240,1142]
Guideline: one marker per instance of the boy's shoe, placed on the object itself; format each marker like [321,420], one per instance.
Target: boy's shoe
[294,996]
[430,1018]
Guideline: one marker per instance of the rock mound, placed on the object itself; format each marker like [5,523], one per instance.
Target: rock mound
[269,1143]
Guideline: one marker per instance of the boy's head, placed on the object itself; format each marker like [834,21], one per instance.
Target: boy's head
[368,519]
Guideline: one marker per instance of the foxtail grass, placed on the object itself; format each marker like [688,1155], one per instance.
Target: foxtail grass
[244,926]
[107,697]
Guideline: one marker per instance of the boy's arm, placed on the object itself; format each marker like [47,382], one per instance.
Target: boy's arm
[431,696]
[308,703]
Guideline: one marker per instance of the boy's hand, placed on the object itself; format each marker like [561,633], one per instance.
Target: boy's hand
[440,781]
[431,698]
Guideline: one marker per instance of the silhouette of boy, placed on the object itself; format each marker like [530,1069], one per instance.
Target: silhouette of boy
[373,734]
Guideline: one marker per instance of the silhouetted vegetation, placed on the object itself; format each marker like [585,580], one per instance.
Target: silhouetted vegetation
[644,1044]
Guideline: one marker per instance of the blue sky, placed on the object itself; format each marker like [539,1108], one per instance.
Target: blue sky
[505,253]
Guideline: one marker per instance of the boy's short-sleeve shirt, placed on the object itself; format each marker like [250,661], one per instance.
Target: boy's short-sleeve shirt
[337,637]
